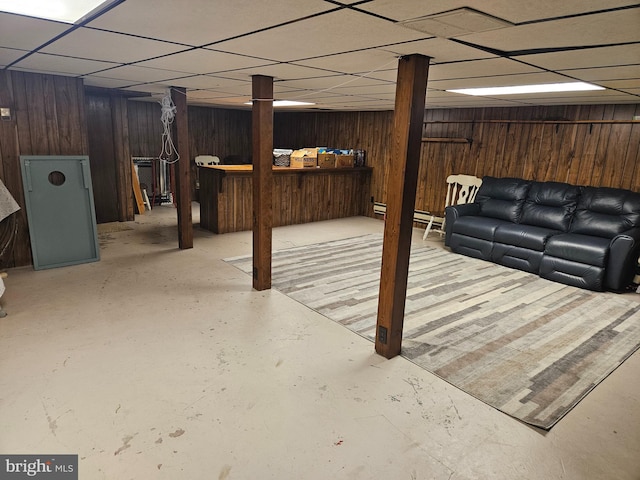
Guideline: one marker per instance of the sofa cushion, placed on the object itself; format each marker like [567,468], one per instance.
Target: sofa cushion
[606,212]
[550,205]
[502,198]
[572,273]
[585,249]
[471,246]
[516,257]
[478,227]
[526,236]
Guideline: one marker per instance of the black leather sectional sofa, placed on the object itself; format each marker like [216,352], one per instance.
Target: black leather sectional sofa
[583,236]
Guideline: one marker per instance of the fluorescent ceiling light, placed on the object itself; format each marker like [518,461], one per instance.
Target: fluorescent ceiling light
[522,89]
[67,11]
[285,103]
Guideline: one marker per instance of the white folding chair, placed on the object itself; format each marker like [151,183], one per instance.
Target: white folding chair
[460,189]
[202,160]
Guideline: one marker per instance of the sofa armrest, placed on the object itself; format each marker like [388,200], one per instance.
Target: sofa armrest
[452,213]
[623,259]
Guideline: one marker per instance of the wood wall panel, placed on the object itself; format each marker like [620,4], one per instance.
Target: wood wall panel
[145,129]
[540,143]
[299,197]
[48,118]
[102,157]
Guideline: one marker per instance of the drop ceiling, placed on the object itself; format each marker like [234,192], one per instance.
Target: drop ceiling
[340,55]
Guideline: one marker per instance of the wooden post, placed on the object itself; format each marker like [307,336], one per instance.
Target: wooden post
[402,180]
[182,169]
[262,138]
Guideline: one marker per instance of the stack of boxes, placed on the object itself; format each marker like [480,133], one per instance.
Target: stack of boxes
[320,157]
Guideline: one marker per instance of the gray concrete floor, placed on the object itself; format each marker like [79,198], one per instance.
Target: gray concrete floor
[156,363]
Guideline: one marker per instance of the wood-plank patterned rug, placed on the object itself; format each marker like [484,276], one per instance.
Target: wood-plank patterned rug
[529,347]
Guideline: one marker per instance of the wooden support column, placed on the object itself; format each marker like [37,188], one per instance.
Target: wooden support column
[262,138]
[182,169]
[402,180]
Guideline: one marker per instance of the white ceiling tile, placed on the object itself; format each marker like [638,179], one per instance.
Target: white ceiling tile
[588,58]
[27,33]
[603,29]
[369,90]
[104,82]
[200,22]
[203,61]
[318,36]
[10,55]
[157,91]
[339,58]
[205,94]
[479,68]
[513,11]
[502,81]
[609,73]
[279,72]
[440,50]
[355,62]
[63,65]
[335,81]
[203,82]
[136,74]
[109,47]
[625,84]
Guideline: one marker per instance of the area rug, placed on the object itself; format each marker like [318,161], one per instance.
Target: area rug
[529,347]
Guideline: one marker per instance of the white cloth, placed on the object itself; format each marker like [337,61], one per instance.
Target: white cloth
[7,203]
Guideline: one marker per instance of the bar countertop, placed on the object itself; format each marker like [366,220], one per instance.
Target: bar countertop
[248,169]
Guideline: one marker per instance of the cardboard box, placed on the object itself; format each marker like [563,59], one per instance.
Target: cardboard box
[303,159]
[344,161]
[327,160]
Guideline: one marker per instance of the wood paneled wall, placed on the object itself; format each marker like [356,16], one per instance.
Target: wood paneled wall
[48,118]
[588,145]
[107,125]
[212,131]
[370,131]
[563,143]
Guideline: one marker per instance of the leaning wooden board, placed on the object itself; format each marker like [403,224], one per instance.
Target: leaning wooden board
[137,193]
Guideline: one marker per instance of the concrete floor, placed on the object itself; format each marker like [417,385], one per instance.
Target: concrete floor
[156,363]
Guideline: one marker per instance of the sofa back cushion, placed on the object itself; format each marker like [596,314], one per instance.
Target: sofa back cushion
[550,205]
[606,212]
[502,197]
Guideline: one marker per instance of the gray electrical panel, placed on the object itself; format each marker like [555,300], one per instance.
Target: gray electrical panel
[60,210]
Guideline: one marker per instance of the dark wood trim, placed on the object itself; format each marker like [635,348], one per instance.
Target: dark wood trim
[401,195]
[182,169]
[262,138]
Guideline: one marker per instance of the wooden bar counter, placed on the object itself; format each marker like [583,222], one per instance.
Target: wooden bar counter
[300,195]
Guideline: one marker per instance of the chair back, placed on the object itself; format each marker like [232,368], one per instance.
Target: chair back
[207,160]
[461,189]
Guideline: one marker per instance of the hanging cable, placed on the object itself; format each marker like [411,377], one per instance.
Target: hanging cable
[167,115]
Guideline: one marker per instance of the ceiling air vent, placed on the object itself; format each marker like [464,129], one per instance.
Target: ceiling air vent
[455,23]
